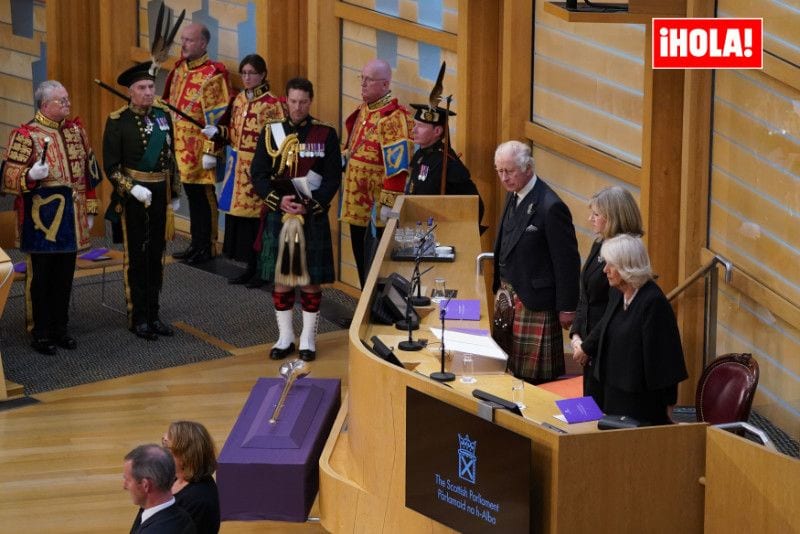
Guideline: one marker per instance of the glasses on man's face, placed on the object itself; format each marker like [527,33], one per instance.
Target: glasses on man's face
[366,80]
[249,73]
[61,101]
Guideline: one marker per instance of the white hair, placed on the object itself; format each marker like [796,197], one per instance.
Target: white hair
[519,152]
[44,90]
[628,254]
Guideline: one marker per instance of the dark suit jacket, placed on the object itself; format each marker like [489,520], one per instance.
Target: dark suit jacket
[650,357]
[593,297]
[172,520]
[542,261]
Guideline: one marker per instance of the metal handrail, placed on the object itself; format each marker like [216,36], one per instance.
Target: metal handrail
[760,434]
[710,272]
[716,260]
[479,259]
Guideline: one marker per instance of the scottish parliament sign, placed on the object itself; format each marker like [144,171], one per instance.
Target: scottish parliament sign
[463,471]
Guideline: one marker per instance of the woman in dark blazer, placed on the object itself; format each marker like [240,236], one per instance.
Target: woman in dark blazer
[612,211]
[636,348]
[195,462]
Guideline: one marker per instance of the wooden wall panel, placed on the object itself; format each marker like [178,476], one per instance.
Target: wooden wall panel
[754,199]
[17,54]
[588,83]
[744,325]
[780,23]
[575,184]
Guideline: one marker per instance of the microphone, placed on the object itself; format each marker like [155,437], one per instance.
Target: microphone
[43,157]
[419,299]
[442,375]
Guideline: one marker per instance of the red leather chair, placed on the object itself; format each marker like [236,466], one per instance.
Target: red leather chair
[726,389]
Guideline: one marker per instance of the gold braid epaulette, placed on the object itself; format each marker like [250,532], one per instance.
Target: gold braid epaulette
[117,112]
[320,123]
[287,151]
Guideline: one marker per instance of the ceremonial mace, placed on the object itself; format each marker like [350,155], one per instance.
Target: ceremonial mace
[291,372]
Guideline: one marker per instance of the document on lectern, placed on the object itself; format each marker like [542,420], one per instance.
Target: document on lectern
[470,343]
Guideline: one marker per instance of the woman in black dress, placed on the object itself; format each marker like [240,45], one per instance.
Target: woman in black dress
[195,462]
[612,211]
[636,348]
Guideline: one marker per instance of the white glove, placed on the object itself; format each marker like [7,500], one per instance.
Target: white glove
[39,171]
[210,131]
[142,194]
[209,161]
[175,204]
[90,221]
[385,213]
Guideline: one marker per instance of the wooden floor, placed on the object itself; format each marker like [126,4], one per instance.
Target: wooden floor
[61,460]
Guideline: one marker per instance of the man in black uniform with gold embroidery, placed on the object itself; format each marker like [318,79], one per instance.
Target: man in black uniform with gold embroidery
[296,247]
[426,165]
[139,161]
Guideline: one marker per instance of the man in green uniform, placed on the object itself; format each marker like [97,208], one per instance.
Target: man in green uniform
[139,161]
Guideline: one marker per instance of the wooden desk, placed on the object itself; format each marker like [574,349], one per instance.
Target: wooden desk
[7,388]
[623,481]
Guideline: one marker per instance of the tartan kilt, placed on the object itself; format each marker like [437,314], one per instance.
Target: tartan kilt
[319,250]
[538,347]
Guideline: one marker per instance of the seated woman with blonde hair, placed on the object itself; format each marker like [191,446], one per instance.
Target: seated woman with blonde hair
[195,462]
[637,346]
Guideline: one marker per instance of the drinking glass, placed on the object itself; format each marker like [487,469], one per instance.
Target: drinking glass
[518,393]
[469,368]
[439,290]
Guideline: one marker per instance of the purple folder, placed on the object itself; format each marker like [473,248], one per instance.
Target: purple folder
[462,309]
[93,254]
[580,409]
[20,267]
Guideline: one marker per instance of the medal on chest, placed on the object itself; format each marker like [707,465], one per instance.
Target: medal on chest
[423,172]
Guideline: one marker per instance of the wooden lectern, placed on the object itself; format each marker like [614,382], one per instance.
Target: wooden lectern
[627,480]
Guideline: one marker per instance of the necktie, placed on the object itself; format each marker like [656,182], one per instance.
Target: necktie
[514,200]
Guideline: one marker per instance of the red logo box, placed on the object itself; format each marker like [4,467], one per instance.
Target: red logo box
[707,43]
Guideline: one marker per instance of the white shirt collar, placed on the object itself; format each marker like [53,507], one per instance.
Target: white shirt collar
[150,512]
[525,190]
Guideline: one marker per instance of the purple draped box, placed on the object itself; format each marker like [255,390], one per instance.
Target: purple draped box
[270,471]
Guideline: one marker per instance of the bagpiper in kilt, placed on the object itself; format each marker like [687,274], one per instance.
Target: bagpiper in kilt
[296,247]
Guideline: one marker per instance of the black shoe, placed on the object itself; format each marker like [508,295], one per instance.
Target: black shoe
[279,354]
[161,329]
[43,346]
[243,278]
[185,253]
[308,355]
[67,342]
[143,331]
[255,282]
[202,255]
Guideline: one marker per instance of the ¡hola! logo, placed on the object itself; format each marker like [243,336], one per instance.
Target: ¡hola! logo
[706,43]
